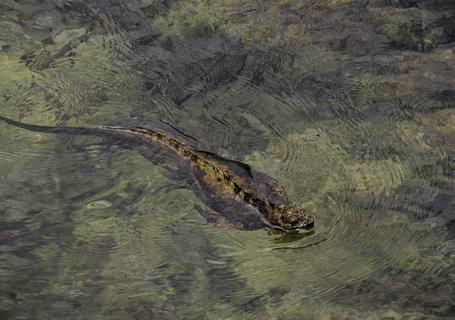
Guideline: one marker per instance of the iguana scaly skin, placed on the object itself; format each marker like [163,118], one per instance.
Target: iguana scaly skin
[222,178]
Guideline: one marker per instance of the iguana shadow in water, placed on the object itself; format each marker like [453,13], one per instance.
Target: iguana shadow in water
[240,196]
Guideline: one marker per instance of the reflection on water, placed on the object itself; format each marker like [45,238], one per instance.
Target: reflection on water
[348,104]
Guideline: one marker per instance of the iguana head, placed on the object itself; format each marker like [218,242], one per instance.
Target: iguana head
[290,217]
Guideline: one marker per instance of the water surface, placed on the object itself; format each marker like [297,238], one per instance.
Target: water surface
[349,104]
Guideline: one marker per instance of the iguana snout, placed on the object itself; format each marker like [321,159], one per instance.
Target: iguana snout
[291,217]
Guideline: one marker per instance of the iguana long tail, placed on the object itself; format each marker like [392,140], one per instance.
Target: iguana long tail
[62,130]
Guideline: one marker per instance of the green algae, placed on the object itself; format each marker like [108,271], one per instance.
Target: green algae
[124,257]
[345,172]
[373,88]
[15,92]
[441,122]
[314,60]
[198,18]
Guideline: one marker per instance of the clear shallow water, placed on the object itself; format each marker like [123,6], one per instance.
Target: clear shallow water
[347,104]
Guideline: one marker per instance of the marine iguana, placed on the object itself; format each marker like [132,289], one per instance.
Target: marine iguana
[247,199]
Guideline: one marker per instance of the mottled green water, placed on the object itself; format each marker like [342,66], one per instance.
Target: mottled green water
[349,104]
